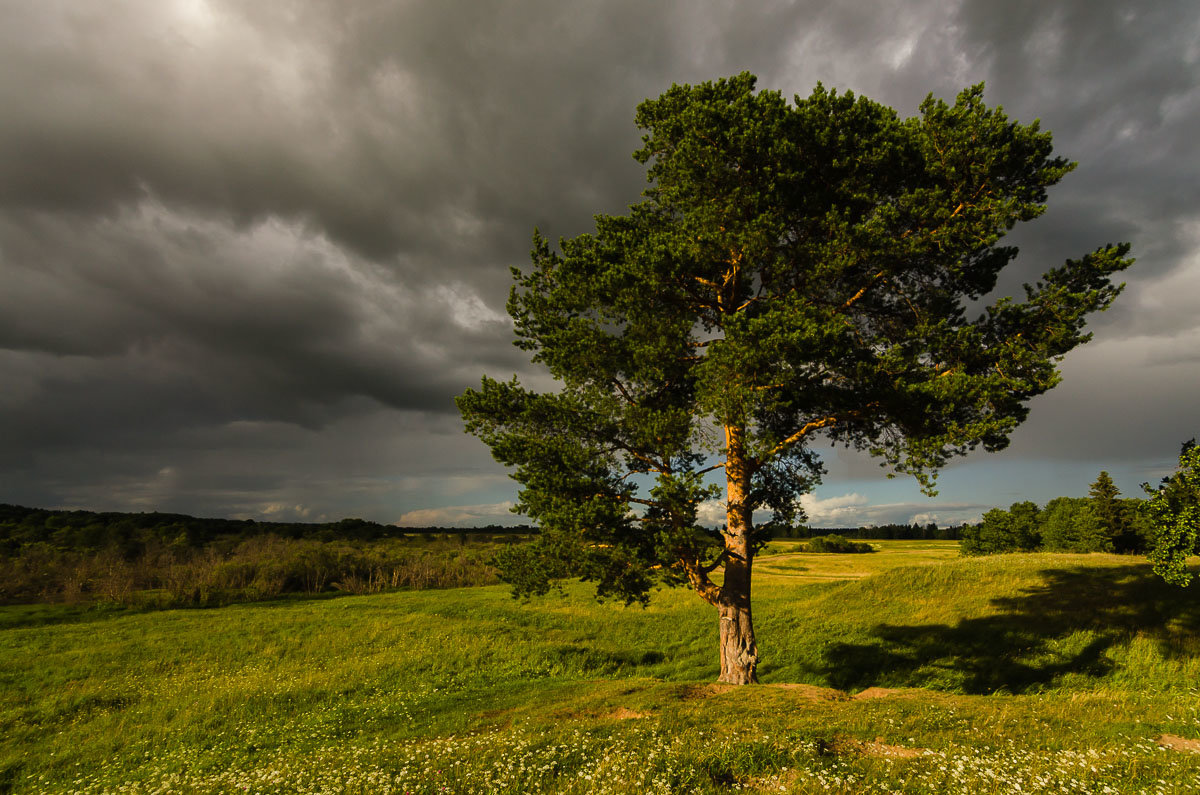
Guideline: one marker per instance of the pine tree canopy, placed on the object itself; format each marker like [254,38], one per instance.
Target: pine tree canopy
[796,271]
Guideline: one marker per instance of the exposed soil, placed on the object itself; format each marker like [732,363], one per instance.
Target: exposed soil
[1182,744]
[811,692]
[889,692]
[806,692]
[692,692]
[619,713]
[881,749]
[876,748]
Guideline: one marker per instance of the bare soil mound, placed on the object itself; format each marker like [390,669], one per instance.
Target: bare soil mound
[888,692]
[877,748]
[811,692]
[692,692]
[1175,743]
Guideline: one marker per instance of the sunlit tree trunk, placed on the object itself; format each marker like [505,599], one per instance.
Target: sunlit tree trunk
[739,652]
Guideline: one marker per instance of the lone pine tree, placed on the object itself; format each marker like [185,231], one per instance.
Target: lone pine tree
[794,272]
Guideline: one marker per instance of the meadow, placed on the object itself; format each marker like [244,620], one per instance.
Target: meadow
[905,670]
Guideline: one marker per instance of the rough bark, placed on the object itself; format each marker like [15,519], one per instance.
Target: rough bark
[739,652]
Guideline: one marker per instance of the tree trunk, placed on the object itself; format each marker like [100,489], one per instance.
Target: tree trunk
[739,652]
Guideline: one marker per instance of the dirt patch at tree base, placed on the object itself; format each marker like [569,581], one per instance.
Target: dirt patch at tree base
[811,692]
[1174,743]
[692,692]
[805,692]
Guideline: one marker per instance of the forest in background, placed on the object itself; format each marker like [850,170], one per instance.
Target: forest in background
[1100,522]
[168,560]
[174,560]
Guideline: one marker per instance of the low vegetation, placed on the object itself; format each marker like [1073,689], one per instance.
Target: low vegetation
[160,560]
[836,544]
[233,569]
[1037,673]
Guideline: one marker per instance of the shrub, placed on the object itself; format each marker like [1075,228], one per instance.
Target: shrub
[837,544]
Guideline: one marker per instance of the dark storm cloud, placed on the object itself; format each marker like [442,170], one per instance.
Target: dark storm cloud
[1118,86]
[250,251]
[267,315]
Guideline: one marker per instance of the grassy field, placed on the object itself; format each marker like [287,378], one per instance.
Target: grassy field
[782,563]
[906,670]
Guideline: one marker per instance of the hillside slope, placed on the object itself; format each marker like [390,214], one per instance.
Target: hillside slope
[468,689]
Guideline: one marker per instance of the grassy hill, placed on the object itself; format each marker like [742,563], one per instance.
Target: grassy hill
[1039,672]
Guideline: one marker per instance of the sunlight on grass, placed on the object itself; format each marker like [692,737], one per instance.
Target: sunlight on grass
[1038,673]
[780,564]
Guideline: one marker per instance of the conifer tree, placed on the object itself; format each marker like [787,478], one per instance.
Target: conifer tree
[1109,513]
[796,271]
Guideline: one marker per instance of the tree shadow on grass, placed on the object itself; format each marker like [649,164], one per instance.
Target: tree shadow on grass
[588,660]
[1060,627]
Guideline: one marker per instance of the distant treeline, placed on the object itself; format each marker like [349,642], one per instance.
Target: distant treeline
[910,532]
[1100,522]
[129,533]
[236,569]
[172,560]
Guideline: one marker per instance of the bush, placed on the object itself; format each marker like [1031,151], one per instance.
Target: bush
[836,544]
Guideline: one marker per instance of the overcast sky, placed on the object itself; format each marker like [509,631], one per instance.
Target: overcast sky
[249,251]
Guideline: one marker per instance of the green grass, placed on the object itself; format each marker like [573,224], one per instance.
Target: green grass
[783,561]
[1039,672]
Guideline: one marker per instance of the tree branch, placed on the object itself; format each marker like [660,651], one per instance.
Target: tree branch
[648,470]
[624,392]
[904,295]
[622,497]
[652,465]
[698,578]
[808,428]
[850,301]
